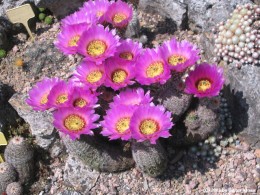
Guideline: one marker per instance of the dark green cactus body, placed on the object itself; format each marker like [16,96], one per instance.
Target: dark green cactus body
[7,175]
[100,154]
[151,159]
[14,188]
[19,153]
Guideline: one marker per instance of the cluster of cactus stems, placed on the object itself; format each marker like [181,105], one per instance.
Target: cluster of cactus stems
[182,99]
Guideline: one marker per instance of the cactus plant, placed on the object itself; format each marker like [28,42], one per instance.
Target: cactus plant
[7,175]
[99,154]
[19,153]
[14,188]
[48,20]
[151,159]
[2,53]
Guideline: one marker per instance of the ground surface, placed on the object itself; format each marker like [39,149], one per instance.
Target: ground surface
[237,169]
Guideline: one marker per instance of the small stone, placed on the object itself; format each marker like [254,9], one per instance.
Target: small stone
[218,184]
[193,184]
[257,153]
[223,143]
[249,156]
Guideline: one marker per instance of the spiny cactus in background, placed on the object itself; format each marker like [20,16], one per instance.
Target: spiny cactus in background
[14,188]
[151,159]
[19,153]
[7,175]
[238,39]
[100,154]
[133,27]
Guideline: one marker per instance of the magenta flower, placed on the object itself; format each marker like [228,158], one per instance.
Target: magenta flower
[68,38]
[98,8]
[116,123]
[98,44]
[75,122]
[118,74]
[82,97]
[90,74]
[179,55]
[59,95]
[150,123]
[79,17]
[132,97]
[151,68]
[38,95]
[129,50]
[205,81]
[119,14]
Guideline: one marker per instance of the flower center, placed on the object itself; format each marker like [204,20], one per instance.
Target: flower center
[96,48]
[148,127]
[80,102]
[126,55]
[74,123]
[74,41]
[94,76]
[119,76]
[155,69]
[99,13]
[203,85]
[44,99]
[62,98]
[119,18]
[123,124]
[176,59]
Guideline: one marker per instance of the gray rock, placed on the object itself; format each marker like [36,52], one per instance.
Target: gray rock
[174,10]
[243,94]
[40,122]
[69,192]
[79,175]
[133,27]
[205,14]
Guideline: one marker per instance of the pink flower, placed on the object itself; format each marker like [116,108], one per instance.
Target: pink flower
[75,122]
[98,8]
[68,38]
[119,74]
[179,55]
[98,44]
[59,95]
[38,95]
[132,97]
[82,97]
[151,68]
[90,74]
[129,50]
[116,123]
[205,81]
[79,17]
[119,14]
[150,123]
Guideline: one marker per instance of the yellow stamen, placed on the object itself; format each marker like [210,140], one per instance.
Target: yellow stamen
[154,69]
[148,127]
[94,76]
[74,41]
[126,55]
[203,85]
[62,99]
[123,124]
[80,102]
[119,76]
[74,123]
[96,48]
[119,18]
[176,59]
[44,99]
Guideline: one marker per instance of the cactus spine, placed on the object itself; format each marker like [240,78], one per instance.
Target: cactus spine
[14,188]
[7,175]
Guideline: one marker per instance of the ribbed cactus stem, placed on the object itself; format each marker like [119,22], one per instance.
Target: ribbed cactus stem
[151,159]
[19,153]
[100,154]
[7,175]
[14,188]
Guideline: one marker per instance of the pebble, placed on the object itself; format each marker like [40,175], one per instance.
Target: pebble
[249,156]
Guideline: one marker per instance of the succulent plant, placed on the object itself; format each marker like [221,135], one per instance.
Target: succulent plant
[48,20]
[42,16]
[151,159]
[99,154]
[19,153]
[2,53]
[7,175]
[14,188]
[238,39]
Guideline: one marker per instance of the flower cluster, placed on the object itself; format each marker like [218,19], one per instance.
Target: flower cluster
[117,63]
